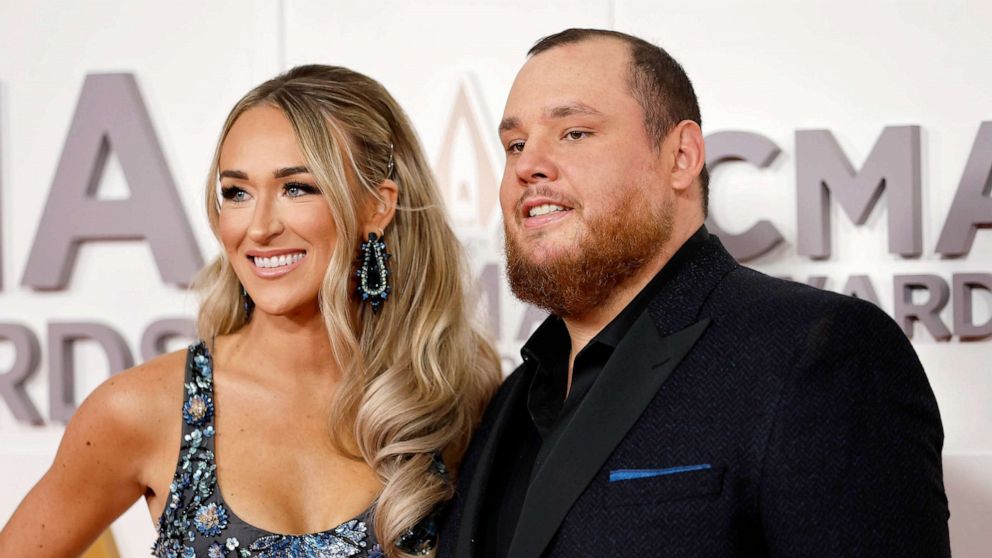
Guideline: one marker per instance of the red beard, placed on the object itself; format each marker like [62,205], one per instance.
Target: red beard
[611,251]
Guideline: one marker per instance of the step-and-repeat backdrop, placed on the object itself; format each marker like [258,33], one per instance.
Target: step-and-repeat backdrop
[850,141]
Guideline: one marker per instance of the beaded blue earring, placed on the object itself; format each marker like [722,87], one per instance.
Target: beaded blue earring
[373,277]
[247,303]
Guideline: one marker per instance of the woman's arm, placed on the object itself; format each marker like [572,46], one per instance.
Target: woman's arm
[97,474]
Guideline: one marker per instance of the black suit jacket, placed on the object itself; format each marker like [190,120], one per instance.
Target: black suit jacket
[742,415]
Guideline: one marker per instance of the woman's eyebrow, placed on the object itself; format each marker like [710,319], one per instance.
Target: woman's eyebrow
[240,175]
[279,173]
[290,171]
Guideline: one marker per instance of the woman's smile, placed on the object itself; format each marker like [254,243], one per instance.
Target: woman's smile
[275,263]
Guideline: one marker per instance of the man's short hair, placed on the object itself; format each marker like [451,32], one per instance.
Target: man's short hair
[656,81]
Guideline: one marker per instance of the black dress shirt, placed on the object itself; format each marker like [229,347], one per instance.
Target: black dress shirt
[549,408]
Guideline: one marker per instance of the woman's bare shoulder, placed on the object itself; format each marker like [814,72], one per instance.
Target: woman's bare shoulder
[139,401]
[152,379]
[112,445]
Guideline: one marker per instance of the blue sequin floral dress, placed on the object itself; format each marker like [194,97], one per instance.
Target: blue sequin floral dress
[197,523]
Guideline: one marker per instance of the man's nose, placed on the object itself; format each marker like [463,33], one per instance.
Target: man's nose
[536,163]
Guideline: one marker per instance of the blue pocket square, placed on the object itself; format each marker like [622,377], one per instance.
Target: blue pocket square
[628,474]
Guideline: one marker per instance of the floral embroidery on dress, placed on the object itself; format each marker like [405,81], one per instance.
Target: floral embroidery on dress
[210,519]
[346,540]
[216,550]
[195,516]
[198,409]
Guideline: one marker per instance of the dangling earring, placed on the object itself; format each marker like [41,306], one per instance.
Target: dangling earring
[247,302]
[373,277]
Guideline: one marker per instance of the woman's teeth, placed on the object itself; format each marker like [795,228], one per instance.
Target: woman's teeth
[544,209]
[279,261]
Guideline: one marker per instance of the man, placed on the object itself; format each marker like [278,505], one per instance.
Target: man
[676,403]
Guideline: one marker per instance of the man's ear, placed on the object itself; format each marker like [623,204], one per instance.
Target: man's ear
[380,209]
[690,154]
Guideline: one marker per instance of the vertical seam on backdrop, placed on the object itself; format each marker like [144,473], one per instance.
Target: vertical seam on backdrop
[3,168]
[281,36]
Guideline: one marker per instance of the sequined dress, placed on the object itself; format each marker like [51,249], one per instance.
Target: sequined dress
[197,523]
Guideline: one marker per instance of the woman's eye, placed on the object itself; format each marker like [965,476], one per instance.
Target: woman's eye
[234,194]
[297,189]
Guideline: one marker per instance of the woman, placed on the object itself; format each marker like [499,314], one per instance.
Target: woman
[318,413]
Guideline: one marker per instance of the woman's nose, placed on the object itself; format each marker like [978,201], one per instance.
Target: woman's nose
[266,223]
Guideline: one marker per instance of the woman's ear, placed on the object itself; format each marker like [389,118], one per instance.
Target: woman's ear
[380,209]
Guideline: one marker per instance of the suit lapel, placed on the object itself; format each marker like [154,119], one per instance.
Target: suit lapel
[640,365]
[475,492]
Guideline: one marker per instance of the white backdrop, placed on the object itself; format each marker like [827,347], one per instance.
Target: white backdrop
[852,67]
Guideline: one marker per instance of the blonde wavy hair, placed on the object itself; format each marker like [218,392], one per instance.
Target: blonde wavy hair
[417,375]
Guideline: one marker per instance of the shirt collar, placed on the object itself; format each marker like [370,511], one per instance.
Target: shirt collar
[551,336]
[615,331]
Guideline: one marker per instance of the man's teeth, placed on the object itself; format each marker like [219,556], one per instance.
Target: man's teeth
[544,209]
[279,261]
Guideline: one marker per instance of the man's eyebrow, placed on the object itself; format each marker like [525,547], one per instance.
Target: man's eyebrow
[570,109]
[509,123]
[290,171]
[560,111]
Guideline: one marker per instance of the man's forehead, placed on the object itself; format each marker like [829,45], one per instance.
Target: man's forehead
[589,56]
[570,79]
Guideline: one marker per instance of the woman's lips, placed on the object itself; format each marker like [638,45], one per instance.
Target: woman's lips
[279,270]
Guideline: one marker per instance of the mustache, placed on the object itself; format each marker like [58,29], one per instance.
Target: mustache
[549,193]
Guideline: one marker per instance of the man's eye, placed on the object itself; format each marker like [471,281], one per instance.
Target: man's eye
[297,189]
[576,134]
[234,194]
[515,147]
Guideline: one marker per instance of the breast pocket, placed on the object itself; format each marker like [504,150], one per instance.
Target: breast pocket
[634,487]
